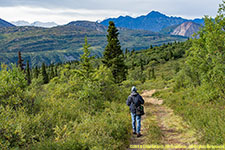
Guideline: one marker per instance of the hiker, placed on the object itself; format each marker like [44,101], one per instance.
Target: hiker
[134,100]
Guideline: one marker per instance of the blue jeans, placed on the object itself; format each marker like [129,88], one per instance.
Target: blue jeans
[135,118]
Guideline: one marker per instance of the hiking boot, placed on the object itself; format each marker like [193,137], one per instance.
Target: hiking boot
[134,132]
[139,134]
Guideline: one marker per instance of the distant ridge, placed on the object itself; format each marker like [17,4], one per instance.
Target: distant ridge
[65,43]
[89,25]
[44,24]
[4,23]
[154,21]
[21,23]
[35,24]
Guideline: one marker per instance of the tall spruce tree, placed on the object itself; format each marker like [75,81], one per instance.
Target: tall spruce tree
[44,73]
[20,61]
[142,70]
[36,72]
[52,74]
[28,75]
[56,71]
[126,51]
[113,55]
[151,47]
[87,68]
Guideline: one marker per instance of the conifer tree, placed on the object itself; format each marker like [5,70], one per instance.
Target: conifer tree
[113,55]
[56,71]
[52,74]
[153,73]
[28,75]
[149,73]
[20,61]
[36,72]
[44,74]
[126,51]
[87,68]
[113,48]
[141,65]
[142,70]
[133,51]
[151,47]
[132,65]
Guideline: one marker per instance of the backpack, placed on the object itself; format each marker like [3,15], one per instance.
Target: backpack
[139,109]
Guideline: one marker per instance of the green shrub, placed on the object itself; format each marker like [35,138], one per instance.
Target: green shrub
[12,84]
[12,124]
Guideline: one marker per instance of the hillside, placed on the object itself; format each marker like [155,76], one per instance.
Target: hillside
[4,23]
[168,29]
[154,21]
[57,44]
[186,29]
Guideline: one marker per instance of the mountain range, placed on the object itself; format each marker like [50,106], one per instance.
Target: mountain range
[4,23]
[65,43]
[154,21]
[35,24]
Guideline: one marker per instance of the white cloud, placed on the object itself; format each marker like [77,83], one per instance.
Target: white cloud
[64,11]
[60,16]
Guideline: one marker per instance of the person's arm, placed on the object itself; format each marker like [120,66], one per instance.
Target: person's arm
[128,101]
[141,99]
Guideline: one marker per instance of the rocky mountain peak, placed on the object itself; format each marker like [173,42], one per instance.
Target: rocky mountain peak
[186,29]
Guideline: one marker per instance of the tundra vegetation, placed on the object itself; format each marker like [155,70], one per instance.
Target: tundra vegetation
[81,104]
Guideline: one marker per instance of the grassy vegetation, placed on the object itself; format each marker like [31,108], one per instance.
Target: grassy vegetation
[70,112]
[207,118]
[154,133]
[74,113]
[67,113]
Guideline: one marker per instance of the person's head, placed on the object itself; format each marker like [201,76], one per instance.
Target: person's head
[133,89]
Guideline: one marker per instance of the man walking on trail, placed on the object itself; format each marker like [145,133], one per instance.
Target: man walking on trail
[134,100]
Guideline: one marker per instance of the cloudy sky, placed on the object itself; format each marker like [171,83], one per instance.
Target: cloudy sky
[64,11]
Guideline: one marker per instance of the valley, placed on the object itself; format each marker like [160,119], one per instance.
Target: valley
[53,45]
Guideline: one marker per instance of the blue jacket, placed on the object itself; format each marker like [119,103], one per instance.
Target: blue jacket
[134,99]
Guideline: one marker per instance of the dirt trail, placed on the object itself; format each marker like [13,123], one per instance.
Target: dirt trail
[173,129]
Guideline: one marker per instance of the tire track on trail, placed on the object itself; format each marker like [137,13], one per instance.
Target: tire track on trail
[174,130]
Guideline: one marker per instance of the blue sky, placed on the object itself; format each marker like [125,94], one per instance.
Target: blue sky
[64,11]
